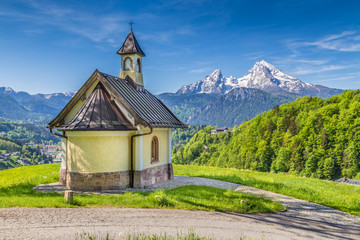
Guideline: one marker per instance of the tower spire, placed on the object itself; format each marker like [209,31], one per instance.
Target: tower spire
[131,58]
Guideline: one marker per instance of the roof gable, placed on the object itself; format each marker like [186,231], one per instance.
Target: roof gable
[144,107]
[131,45]
[98,113]
[60,118]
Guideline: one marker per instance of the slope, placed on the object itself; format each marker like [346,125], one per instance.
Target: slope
[232,108]
[310,136]
[238,105]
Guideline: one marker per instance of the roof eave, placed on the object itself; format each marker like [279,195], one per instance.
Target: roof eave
[78,95]
[131,52]
[168,126]
[96,129]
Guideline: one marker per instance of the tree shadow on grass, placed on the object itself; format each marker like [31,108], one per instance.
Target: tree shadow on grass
[209,198]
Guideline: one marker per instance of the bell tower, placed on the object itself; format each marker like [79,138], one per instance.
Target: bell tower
[131,59]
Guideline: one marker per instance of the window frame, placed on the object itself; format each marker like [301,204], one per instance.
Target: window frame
[131,64]
[138,65]
[154,150]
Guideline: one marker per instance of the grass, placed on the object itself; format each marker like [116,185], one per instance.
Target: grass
[191,235]
[336,195]
[16,191]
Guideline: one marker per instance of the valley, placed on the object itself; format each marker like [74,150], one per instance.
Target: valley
[300,135]
[310,137]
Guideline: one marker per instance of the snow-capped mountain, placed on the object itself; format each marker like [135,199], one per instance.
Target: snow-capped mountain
[214,83]
[262,75]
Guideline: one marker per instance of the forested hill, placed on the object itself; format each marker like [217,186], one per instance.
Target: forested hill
[310,136]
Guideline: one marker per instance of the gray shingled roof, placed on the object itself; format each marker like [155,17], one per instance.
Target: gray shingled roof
[146,105]
[131,45]
[98,113]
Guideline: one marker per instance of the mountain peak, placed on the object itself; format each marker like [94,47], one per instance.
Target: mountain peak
[266,64]
[263,64]
[214,77]
[7,90]
[216,72]
[262,75]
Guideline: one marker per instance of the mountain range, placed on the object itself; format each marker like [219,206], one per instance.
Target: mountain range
[263,76]
[222,101]
[216,100]
[26,107]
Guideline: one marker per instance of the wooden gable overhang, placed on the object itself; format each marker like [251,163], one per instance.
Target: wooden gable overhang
[138,105]
[98,113]
[59,120]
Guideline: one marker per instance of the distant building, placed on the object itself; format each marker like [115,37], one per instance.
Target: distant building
[31,145]
[58,158]
[16,154]
[24,161]
[206,148]
[219,130]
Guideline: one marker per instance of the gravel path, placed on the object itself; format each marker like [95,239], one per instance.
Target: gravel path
[303,220]
[295,207]
[65,223]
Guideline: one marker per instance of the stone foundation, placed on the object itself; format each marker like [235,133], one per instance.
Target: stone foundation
[115,180]
[153,175]
[97,181]
[62,178]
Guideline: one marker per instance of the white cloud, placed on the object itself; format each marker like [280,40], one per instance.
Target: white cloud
[340,77]
[200,70]
[45,15]
[312,62]
[347,41]
[310,70]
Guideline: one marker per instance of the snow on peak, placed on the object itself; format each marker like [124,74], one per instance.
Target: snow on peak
[214,76]
[262,75]
[9,89]
[217,72]
[266,64]
[69,94]
[267,77]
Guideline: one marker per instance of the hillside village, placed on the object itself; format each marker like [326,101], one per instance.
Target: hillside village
[14,154]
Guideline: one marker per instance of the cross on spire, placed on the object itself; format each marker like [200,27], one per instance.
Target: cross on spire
[131,23]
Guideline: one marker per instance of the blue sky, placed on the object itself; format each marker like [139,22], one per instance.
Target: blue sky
[54,46]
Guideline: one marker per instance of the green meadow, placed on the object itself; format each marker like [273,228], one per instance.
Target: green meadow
[191,235]
[340,196]
[16,191]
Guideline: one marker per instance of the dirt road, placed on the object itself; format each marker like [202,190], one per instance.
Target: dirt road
[64,223]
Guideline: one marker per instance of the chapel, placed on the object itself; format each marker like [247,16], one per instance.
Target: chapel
[115,133]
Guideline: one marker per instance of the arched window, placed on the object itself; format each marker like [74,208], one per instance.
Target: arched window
[154,149]
[128,64]
[138,65]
